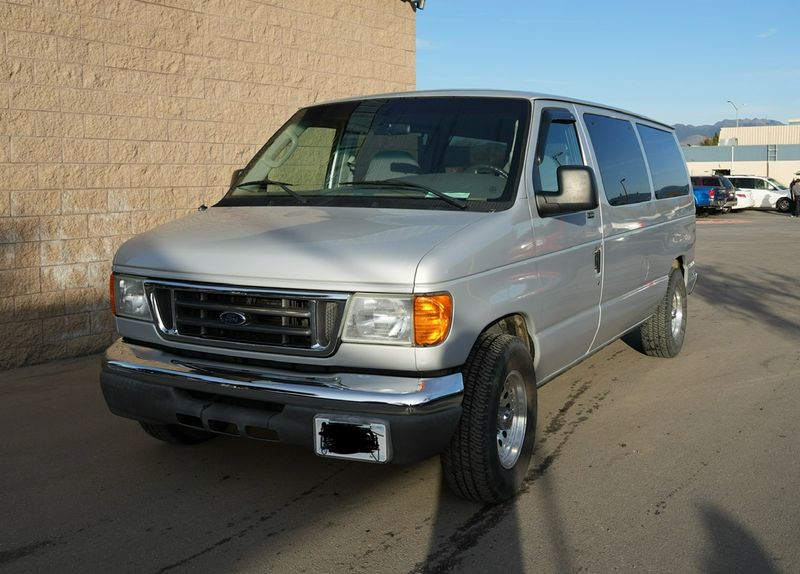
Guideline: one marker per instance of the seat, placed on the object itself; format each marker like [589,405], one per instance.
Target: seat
[389,164]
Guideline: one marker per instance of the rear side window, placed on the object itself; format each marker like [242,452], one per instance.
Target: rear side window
[745,182]
[666,163]
[620,159]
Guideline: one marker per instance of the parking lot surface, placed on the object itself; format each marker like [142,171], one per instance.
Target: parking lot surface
[658,465]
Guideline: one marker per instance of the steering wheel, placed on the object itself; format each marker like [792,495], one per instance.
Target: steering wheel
[486,168]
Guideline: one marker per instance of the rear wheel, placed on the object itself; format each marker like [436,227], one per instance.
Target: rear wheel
[489,454]
[784,204]
[176,434]
[663,333]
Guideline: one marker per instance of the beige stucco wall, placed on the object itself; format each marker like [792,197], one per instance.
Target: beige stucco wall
[762,135]
[118,116]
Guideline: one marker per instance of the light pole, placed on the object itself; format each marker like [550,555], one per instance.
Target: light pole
[737,112]
[734,141]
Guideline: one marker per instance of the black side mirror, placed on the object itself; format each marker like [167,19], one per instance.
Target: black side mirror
[576,192]
[237,173]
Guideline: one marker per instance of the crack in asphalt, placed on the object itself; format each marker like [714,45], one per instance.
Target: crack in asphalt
[14,554]
[11,556]
[258,522]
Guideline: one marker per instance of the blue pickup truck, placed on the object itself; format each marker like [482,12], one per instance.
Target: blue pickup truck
[713,193]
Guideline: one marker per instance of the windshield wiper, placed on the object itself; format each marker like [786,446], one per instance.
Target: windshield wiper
[399,184]
[265,183]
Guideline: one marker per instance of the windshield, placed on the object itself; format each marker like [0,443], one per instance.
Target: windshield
[428,153]
[777,184]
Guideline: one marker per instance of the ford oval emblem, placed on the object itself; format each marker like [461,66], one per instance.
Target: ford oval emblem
[233,318]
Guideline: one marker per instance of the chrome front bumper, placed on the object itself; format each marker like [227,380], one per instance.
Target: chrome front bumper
[398,394]
[154,386]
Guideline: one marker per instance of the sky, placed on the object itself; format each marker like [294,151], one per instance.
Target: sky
[676,61]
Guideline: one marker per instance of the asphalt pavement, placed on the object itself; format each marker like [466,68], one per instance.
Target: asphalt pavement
[689,464]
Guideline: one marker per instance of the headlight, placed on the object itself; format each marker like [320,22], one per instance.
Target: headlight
[128,297]
[420,320]
[379,319]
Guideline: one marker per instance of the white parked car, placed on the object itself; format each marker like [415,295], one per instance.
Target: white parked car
[767,193]
[744,199]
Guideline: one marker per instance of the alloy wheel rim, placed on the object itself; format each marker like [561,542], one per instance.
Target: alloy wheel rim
[677,315]
[512,418]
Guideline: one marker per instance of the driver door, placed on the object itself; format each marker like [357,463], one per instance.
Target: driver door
[568,246]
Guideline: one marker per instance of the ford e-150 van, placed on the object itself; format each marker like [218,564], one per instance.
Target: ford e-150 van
[391,277]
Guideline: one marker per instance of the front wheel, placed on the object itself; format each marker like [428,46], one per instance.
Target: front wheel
[488,457]
[784,204]
[663,333]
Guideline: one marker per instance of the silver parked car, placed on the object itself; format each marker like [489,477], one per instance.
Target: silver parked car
[391,277]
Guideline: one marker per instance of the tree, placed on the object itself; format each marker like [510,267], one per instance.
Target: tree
[713,140]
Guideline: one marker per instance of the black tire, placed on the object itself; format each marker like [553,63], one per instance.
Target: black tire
[176,434]
[498,368]
[663,333]
[784,205]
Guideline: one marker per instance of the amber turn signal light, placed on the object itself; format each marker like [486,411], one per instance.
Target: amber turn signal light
[432,316]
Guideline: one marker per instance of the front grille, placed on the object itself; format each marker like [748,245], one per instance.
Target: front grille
[284,322]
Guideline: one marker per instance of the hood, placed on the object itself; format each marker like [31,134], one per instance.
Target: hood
[313,248]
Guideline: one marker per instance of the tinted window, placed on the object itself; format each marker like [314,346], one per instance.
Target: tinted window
[666,163]
[619,156]
[745,182]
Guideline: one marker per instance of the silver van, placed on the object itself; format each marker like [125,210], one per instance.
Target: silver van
[391,277]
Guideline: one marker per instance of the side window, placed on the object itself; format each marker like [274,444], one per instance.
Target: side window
[620,159]
[759,184]
[666,163]
[557,145]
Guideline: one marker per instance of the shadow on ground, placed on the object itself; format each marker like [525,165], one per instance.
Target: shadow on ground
[760,299]
[730,547]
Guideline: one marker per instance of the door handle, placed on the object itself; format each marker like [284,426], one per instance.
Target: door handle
[597,260]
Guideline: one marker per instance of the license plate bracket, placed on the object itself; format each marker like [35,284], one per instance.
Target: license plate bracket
[351,439]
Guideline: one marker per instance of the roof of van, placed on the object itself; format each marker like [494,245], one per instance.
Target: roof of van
[495,94]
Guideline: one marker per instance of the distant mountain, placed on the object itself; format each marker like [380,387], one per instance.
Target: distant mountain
[694,135]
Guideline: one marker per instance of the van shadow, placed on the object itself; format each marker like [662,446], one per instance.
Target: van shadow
[763,299]
[730,547]
[459,526]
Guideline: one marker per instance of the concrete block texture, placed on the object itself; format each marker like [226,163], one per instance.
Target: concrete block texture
[116,117]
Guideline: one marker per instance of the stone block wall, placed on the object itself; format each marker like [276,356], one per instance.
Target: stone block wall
[119,115]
